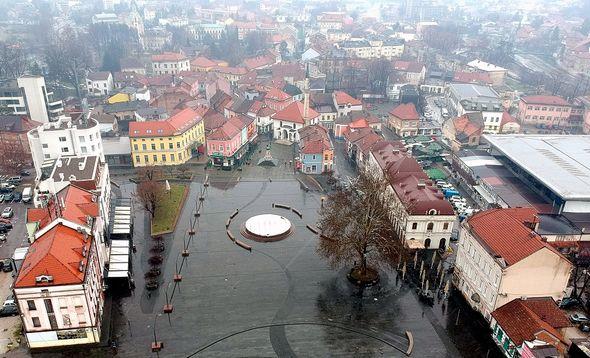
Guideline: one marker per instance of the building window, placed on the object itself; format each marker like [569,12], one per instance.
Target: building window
[36,321]
[93,148]
[47,156]
[66,318]
[62,139]
[81,318]
[137,159]
[83,149]
[31,305]
[155,158]
[90,137]
[414,226]
[44,145]
[163,157]
[162,146]
[65,149]
[145,159]
[430,226]
[313,157]
[135,147]
[170,146]
[445,226]
[177,144]
[81,139]
[153,146]
[172,157]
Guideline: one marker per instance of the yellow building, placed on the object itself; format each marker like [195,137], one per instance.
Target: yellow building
[119,97]
[170,142]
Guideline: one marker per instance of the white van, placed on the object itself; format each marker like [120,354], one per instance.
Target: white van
[27,194]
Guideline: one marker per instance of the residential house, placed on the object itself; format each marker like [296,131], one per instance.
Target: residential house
[479,78]
[413,72]
[170,142]
[316,151]
[64,138]
[128,79]
[13,137]
[543,110]
[421,216]
[59,289]
[524,323]
[262,115]
[464,131]
[276,99]
[99,83]
[370,49]
[231,74]
[345,103]
[227,144]
[404,119]
[359,143]
[497,74]
[355,121]
[203,64]
[469,97]
[287,122]
[170,63]
[501,258]
[323,103]
[577,56]
[124,112]
[156,39]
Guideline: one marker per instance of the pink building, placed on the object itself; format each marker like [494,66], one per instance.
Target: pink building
[228,143]
[544,110]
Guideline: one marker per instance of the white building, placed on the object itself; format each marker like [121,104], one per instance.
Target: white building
[500,258]
[99,83]
[497,73]
[59,288]
[170,63]
[389,49]
[64,138]
[421,216]
[28,95]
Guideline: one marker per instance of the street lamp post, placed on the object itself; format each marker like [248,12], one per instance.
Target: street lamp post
[156,345]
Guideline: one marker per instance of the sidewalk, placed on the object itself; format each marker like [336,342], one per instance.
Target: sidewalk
[9,326]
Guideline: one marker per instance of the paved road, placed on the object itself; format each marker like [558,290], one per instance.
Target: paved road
[17,237]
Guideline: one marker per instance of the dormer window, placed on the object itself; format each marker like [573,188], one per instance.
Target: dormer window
[43,279]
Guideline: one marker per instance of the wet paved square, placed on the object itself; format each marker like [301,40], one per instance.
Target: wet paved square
[281,299]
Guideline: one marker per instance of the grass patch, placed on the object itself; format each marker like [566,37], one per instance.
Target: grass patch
[167,214]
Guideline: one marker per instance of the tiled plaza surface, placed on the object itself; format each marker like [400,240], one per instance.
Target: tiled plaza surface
[280,300]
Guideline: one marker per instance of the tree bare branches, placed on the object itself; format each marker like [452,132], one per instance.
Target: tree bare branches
[150,194]
[13,60]
[356,227]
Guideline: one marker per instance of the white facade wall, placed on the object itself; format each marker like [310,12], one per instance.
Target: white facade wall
[170,67]
[36,95]
[77,310]
[291,130]
[61,138]
[100,88]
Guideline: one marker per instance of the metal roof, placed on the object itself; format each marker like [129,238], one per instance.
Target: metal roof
[560,162]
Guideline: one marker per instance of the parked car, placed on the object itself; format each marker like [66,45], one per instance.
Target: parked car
[584,327]
[569,302]
[25,173]
[15,180]
[6,223]
[3,237]
[16,197]
[578,318]
[9,301]
[7,267]
[8,197]
[8,311]
[7,212]
[1,198]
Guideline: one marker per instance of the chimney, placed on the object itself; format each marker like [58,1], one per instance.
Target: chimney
[421,184]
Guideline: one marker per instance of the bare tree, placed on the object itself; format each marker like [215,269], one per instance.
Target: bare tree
[19,156]
[379,70]
[13,60]
[255,42]
[149,173]
[67,57]
[150,194]
[357,229]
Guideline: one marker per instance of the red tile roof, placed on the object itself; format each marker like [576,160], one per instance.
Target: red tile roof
[178,123]
[226,132]
[522,320]
[230,70]
[75,205]
[253,63]
[408,66]
[406,112]
[547,100]
[168,57]
[276,94]
[472,77]
[409,181]
[506,118]
[344,98]
[464,125]
[57,253]
[504,233]
[203,62]
[294,113]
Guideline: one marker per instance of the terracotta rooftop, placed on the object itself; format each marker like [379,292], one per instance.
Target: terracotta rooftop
[405,111]
[178,123]
[59,253]
[408,66]
[546,100]
[344,98]
[522,320]
[504,233]
[294,113]
[276,94]
[203,62]
[168,57]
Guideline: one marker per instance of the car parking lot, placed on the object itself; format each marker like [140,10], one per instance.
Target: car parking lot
[12,220]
